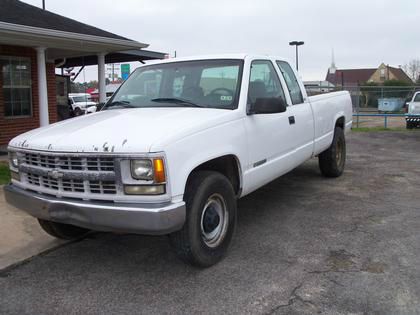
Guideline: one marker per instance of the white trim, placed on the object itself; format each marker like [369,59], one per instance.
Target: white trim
[42,87]
[101,78]
[68,35]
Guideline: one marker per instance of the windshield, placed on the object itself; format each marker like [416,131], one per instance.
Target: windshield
[202,83]
[80,99]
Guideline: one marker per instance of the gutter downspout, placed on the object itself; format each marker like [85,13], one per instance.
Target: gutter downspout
[60,64]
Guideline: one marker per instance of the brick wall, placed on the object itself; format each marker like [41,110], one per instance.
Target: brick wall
[11,127]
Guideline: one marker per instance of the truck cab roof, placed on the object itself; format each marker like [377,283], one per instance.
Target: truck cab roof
[242,56]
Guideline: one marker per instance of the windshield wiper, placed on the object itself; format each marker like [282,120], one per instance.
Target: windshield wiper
[175,100]
[124,104]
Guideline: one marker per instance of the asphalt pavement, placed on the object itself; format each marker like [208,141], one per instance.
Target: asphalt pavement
[304,245]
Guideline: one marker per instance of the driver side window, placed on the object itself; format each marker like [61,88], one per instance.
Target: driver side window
[219,84]
[264,82]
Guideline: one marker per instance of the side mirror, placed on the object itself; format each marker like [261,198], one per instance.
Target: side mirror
[267,105]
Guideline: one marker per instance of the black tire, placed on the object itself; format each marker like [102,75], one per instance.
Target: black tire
[333,160]
[193,243]
[78,112]
[62,231]
[409,125]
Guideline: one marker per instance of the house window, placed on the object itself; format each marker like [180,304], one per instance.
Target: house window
[16,78]
[382,78]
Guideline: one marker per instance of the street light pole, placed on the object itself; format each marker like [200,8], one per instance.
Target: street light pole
[297,44]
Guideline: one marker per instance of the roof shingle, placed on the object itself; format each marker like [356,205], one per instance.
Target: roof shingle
[350,76]
[17,12]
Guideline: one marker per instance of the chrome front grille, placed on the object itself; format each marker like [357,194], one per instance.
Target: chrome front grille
[84,177]
[69,162]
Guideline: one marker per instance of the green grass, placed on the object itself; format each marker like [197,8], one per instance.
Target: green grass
[4,173]
[370,129]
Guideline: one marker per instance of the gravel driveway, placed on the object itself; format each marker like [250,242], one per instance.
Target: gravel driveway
[304,245]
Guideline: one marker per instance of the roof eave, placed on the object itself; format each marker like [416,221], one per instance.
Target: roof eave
[36,31]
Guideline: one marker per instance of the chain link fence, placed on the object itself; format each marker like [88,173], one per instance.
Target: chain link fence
[373,106]
[371,98]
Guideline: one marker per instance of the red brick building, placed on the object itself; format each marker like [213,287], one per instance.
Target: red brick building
[33,43]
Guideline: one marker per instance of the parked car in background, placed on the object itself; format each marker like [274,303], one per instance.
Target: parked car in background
[173,150]
[79,103]
[413,111]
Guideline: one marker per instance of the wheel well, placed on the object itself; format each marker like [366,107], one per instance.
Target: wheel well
[340,122]
[227,165]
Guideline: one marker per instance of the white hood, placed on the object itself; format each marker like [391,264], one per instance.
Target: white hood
[83,104]
[122,130]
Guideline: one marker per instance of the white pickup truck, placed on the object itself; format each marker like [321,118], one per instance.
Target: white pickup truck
[80,103]
[173,150]
[413,111]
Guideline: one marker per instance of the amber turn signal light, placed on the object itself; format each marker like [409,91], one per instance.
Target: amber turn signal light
[159,169]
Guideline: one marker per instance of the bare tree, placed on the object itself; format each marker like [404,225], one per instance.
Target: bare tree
[412,68]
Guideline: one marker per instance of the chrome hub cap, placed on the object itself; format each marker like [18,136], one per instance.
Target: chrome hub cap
[214,220]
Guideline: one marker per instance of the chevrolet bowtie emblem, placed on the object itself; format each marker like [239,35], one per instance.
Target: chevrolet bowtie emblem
[55,174]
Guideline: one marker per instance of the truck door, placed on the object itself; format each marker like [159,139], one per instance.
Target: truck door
[270,137]
[300,111]
[414,105]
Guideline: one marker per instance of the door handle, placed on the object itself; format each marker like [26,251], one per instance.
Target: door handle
[292,120]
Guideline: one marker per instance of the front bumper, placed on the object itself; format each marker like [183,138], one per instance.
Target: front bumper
[152,219]
[413,118]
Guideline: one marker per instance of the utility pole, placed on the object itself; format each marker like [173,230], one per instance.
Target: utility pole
[43,4]
[297,44]
[112,73]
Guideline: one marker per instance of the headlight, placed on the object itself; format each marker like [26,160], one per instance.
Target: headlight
[142,169]
[13,160]
[147,169]
[152,169]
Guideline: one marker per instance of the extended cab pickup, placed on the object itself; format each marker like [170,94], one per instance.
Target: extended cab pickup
[413,111]
[173,150]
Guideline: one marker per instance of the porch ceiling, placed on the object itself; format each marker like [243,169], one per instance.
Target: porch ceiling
[114,57]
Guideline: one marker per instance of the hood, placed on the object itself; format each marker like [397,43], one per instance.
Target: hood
[122,130]
[84,104]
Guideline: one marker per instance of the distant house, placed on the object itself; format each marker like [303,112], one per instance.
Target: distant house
[355,77]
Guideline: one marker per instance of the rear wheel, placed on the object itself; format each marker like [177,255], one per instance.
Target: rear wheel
[211,219]
[333,160]
[63,231]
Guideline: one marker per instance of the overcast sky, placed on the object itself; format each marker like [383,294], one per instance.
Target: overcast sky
[363,33]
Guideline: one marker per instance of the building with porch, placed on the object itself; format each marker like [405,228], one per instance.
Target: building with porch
[33,43]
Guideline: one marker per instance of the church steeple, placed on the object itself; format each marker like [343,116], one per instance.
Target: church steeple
[332,68]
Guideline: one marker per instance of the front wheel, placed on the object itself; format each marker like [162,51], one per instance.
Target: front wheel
[332,160]
[211,219]
[78,112]
[62,231]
